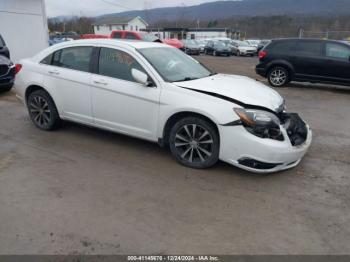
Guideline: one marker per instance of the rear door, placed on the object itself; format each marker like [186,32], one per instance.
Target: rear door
[307,59]
[68,79]
[337,61]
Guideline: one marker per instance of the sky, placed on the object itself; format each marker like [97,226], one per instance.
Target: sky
[99,7]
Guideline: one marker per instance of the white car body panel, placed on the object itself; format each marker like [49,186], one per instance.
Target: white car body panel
[136,110]
[241,88]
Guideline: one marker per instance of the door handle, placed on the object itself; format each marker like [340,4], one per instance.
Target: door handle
[54,72]
[100,82]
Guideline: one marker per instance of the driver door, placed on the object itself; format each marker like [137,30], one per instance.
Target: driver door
[118,101]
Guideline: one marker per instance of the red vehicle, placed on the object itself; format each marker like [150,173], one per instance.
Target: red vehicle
[143,36]
[134,35]
[93,36]
[174,42]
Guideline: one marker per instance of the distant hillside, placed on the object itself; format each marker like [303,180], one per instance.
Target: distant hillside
[228,9]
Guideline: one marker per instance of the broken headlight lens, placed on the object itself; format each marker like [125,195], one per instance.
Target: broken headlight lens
[260,123]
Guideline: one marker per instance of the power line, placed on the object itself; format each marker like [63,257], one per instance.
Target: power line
[118,5]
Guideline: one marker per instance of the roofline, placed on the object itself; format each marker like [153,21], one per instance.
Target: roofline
[99,24]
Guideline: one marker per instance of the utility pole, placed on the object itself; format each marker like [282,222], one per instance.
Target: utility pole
[301,33]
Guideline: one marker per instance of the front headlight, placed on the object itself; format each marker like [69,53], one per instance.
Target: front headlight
[260,123]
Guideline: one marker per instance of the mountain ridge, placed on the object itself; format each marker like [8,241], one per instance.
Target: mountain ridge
[243,8]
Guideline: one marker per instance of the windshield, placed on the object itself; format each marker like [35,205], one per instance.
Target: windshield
[241,43]
[173,65]
[190,42]
[220,44]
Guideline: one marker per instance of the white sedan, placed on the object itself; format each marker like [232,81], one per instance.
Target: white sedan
[156,92]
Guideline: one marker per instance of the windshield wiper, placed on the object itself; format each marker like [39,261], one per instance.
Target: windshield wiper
[186,79]
[213,74]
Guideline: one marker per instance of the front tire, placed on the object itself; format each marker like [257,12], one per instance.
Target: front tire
[278,76]
[194,142]
[42,110]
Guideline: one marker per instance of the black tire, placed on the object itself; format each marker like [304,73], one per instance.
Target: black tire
[202,147]
[6,88]
[42,110]
[278,76]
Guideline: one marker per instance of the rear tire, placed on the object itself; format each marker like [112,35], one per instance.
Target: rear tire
[6,88]
[278,76]
[42,110]
[194,142]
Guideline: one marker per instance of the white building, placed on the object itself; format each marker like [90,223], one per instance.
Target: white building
[106,25]
[193,33]
[23,25]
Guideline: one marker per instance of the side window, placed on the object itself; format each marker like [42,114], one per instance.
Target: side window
[117,64]
[337,51]
[56,58]
[282,47]
[77,58]
[117,35]
[308,48]
[47,60]
[130,36]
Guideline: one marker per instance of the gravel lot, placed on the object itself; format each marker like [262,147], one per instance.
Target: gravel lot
[85,191]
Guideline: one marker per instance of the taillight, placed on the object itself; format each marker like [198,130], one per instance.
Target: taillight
[262,54]
[18,68]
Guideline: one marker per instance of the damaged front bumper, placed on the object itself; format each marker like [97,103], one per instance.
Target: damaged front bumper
[263,155]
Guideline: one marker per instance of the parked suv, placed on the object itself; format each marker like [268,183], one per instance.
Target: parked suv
[305,60]
[3,48]
[7,73]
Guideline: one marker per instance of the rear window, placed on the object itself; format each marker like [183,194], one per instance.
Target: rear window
[117,35]
[2,42]
[308,48]
[130,36]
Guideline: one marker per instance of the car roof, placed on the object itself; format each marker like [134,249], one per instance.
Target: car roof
[307,39]
[136,44]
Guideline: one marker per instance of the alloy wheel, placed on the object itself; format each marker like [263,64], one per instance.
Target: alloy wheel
[194,143]
[40,111]
[278,77]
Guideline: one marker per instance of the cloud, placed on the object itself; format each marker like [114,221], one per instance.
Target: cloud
[99,7]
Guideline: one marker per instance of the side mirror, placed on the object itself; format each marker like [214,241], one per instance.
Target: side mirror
[140,77]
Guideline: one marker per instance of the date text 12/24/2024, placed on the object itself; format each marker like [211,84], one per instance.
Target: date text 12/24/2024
[173,258]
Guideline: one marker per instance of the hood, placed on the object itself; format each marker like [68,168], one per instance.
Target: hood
[223,48]
[240,88]
[251,48]
[192,46]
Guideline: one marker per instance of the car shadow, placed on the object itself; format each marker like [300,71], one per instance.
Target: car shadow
[152,150]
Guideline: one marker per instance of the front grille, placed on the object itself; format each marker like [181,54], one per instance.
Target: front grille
[296,128]
[3,70]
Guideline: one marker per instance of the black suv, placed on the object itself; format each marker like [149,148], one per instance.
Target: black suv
[305,60]
[7,68]
[3,48]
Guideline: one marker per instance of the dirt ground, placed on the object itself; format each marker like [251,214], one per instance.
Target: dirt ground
[85,191]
